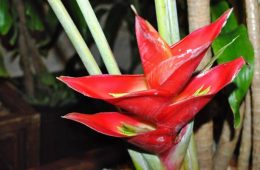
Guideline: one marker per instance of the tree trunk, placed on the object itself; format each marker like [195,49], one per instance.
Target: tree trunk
[23,50]
[227,143]
[198,16]
[246,144]
[254,36]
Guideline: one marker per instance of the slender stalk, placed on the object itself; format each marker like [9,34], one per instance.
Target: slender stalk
[75,37]
[254,35]
[191,163]
[167,19]
[99,37]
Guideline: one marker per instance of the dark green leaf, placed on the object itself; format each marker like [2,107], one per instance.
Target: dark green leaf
[220,8]
[6,19]
[241,47]
[33,20]
[3,71]
[14,35]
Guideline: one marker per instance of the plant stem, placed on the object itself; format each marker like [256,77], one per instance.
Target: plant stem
[167,19]
[191,156]
[99,37]
[75,37]
[184,148]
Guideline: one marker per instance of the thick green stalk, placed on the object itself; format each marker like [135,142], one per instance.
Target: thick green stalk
[167,19]
[190,161]
[75,37]
[99,37]
[186,149]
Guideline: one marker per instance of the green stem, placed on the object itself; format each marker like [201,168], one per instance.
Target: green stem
[191,161]
[75,37]
[99,37]
[167,19]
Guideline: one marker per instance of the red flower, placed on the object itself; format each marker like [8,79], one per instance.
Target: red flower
[166,97]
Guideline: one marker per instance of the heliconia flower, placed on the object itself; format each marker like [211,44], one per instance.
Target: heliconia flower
[159,103]
[167,70]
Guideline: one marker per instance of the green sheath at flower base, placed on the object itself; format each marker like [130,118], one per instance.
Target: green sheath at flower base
[75,37]
[99,37]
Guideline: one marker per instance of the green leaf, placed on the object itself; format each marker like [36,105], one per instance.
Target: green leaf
[216,56]
[220,8]
[6,19]
[33,20]
[47,79]
[14,35]
[241,47]
[3,71]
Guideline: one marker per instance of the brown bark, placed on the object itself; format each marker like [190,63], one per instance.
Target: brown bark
[254,36]
[227,143]
[30,57]
[246,144]
[198,16]
[24,58]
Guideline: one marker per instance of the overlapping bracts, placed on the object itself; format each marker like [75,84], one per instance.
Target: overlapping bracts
[160,102]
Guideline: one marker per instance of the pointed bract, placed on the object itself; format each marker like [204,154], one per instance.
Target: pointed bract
[152,48]
[198,93]
[157,141]
[127,92]
[171,75]
[106,86]
[200,36]
[166,98]
[111,123]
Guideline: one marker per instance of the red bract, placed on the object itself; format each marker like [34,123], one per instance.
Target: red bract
[166,97]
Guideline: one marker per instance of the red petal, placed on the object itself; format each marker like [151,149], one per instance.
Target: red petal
[103,86]
[153,49]
[214,79]
[201,36]
[157,141]
[144,103]
[176,115]
[171,75]
[109,123]
[189,102]
[143,106]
